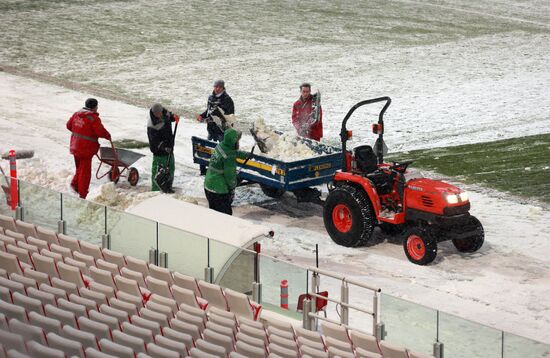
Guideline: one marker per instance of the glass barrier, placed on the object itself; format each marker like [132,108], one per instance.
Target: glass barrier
[408,324]
[187,252]
[84,220]
[5,208]
[233,266]
[466,339]
[272,272]
[130,234]
[520,347]
[41,206]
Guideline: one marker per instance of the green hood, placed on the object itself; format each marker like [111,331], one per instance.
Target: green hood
[230,138]
[221,176]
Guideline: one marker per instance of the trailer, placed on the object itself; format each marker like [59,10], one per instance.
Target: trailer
[274,176]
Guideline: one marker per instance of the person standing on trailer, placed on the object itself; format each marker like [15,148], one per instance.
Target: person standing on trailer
[86,128]
[219,105]
[221,176]
[161,140]
[303,115]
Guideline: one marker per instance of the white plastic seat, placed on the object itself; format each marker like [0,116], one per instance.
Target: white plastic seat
[392,351]
[113,312]
[65,317]
[254,332]
[154,327]
[69,242]
[68,287]
[98,297]
[103,289]
[70,347]
[27,331]
[178,336]
[126,297]
[133,275]
[159,287]
[77,309]
[249,351]
[211,348]
[10,262]
[194,311]
[62,250]
[136,331]
[94,353]
[221,329]
[5,294]
[107,266]
[150,315]
[57,292]
[253,341]
[28,303]
[191,319]
[114,257]
[29,247]
[26,281]
[165,302]
[45,264]
[87,339]
[338,344]
[54,255]
[337,332]
[335,352]
[128,286]
[135,343]
[86,259]
[12,353]
[44,297]
[87,303]
[161,352]
[197,353]
[138,265]
[90,249]
[81,265]
[13,311]
[36,349]
[284,352]
[7,240]
[218,339]
[223,321]
[284,342]
[312,336]
[274,331]
[313,353]
[362,353]
[110,321]
[188,282]
[40,244]
[71,274]
[8,223]
[185,296]
[127,307]
[101,276]
[47,235]
[46,323]
[12,285]
[161,273]
[214,295]
[238,355]
[14,234]
[115,349]
[365,341]
[305,342]
[39,277]
[22,254]
[418,355]
[98,329]
[171,344]
[186,328]
[241,305]
[26,229]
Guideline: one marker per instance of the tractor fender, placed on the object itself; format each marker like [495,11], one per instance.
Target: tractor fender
[363,183]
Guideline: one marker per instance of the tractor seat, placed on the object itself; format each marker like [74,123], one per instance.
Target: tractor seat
[365,159]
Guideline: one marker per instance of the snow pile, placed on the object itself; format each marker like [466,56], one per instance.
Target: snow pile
[286,147]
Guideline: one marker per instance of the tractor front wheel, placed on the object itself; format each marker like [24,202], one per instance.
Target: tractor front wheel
[420,245]
[473,242]
[348,216]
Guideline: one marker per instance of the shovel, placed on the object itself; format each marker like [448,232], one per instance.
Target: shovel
[259,141]
[163,177]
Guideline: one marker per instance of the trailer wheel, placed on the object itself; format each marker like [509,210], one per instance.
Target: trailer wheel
[272,192]
[420,245]
[474,242]
[133,176]
[348,216]
[114,174]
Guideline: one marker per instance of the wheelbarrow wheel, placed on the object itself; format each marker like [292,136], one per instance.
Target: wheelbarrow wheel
[114,175]
[133,176]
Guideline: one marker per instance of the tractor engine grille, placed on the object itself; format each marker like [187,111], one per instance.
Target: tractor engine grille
[427,201]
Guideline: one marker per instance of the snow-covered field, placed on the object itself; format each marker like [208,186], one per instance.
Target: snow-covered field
[457,72]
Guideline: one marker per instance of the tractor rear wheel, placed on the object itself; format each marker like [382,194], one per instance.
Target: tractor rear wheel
[348,216]
[420,245]
[474,242]
[272,192]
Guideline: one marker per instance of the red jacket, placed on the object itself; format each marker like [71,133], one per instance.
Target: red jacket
[86,128]
[301,114]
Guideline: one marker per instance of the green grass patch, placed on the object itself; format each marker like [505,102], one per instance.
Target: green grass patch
[130,144]
[520,166]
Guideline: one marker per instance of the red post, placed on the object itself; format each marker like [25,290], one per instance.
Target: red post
[284,294]
[13,181]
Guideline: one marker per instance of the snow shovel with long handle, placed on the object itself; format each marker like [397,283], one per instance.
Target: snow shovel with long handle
[163,177]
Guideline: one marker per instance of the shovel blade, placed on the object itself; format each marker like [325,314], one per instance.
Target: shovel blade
[163,178]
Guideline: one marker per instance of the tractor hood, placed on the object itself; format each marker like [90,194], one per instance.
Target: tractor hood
[430,186]
[436,197]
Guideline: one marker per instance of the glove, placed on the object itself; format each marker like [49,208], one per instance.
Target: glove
[199,118]
[176,118]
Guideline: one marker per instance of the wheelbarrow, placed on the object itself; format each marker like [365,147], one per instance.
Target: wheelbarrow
[120,161]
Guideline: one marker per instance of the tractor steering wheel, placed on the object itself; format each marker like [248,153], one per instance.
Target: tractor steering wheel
[401,167]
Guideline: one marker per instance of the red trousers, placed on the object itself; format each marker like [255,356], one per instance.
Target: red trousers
[82,176]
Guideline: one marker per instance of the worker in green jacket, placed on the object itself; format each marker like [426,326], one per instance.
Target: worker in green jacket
[221,176]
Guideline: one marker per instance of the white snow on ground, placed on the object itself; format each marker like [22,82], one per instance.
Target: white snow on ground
[504,285]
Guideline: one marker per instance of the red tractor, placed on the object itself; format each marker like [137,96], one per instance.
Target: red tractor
[369,193]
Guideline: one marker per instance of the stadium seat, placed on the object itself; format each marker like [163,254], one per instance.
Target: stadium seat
[161,273]
[130,286]
[240,304]
[12,353]
[98,297]
[27,331]
[10,262]
[54,255]
[185,296]
[335,331]
[5,294]
[221,329]
[98,329]
[69,242]
[26,281]
[167,308]
[115,349]
[36,349]
[107,266]
[186,328]
[194,311]
[161,352]
[40,244]
[187,282]
[7,240]
[28,303]
[224,321]
[45,264]
[87,339]
[313,353]
[26,229]
[365,341]
[46,323]
[86,259]
[89,304]
[120,315]
[8,223]
[127,307]
[12,285]
[111,321]
[136,331]
[126,340]
[333,352]
[282,351]
[94,353]
[64,316]
[114,257]
[63,251]
[219,340]
[133,275]
[392,351]
[71,274]
[103,289]
[191,319]
[210,348]
[126,297]
[361,353]
[13,311]
[176,346]
[29,247]
[160,287]
[70,347]
[39,277]
[284,342]
[274,331]
[214,295]
[77,309]
[178,336]
[137,265]
[154,327]
[154,316]
[47,235]
[68,287]
[197,353]
[253,341]
[90,249]
[14,234]
[254,333]
[76,263]
[57,292]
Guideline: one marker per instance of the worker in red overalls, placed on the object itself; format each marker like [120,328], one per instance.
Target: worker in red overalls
[85,126]
[303,117]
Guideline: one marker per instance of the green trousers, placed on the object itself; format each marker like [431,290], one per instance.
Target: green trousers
[157,159]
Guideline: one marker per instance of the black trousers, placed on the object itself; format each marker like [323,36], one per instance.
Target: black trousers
[219,202]
[214,132]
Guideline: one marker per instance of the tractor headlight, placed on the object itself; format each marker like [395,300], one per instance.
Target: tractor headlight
[452,198]
[464,196]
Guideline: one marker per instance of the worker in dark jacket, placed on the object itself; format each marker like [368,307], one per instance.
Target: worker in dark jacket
[161,140]
[219,105]
[86,128]
[221,176]
[303,115]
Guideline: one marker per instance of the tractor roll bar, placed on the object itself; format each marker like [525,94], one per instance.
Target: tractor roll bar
[344,132]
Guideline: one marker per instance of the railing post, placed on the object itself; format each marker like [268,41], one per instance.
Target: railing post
[61,224]
[163,259]
[378,328]
[344,297]
[14,183]
[438,350]
[153,256]
[106,241]
[208,271]
[257,292]
[306,321]
[315,283]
